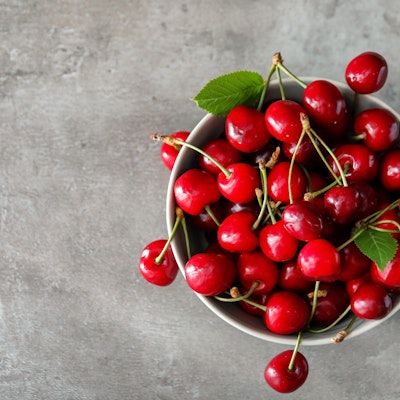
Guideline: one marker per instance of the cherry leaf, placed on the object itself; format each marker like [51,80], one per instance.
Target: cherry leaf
[378,246]
[227,91]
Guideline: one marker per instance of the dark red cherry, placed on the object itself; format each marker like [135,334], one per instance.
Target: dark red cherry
[341,204]
[371,301]
[378,128]
[332,302]
[204,221]
[291,279]
[256,267]
[210,274]
[245,129]
[367,72]
[390,276]
[305,152]
[252,309]
[283,120]
[169,153]
[303,220]
[286,312]
[354,263]
[195,189]
[389,173]
[222,151]
[324,103]
[353,285]
[162,272]
[282,379]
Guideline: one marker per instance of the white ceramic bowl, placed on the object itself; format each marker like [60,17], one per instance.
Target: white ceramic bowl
[209,128]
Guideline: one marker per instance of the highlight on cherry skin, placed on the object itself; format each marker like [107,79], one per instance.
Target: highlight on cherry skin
[286,198]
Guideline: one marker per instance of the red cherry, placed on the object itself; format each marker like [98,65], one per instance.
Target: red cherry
[319,260]
[277,243]
[210,274]
[195,189]
[389,174]
[220,150]
[203,220]
[256,267]
[362,164]
[367,72]
[390,276]
[160,273]
[325,104]
[291,279]
[236,233]
[378,128]
[331,304]
[240,185]
[278,182]
[169,153]
[305,153]
[303,220]
[341,204]
[353,285]
[390,215]
[282,379]
[371,301]
[245,129]
[252,309]
[286,312]
[354,263]
[283,120]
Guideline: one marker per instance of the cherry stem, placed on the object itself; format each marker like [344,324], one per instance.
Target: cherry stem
[179,218]
[239,296]
[377,214]
[314,302]
[334,323]
[173,141]
[291,165]
[187,240]
[281,88]
[295,351]
[351,239]
[293,76]
[211,214]
[265,204]
[385,221]
[266,84]
[340,336]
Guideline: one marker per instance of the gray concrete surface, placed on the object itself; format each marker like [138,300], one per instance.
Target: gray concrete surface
[82,83]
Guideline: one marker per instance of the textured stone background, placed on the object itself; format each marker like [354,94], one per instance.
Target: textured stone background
[82,83]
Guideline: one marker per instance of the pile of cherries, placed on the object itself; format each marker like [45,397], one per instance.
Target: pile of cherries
[279,196]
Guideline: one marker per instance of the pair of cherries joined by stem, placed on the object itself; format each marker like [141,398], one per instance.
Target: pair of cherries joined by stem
[278,197]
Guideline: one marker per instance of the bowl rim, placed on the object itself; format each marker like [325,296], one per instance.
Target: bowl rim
[360,327]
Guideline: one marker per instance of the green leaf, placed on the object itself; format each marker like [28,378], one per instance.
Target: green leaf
[222,94]
[379,246]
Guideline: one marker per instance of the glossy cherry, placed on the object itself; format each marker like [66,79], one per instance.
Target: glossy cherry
[282,379]
[332,302]
[371,301]
[210,274]
[324,103]
[283,120]
[341,204]
[222,151]
[256,267]
[389,172]
[278,182]
[305,152]
[353,285]
[245,129]
[360,162]
[240,185]
[286,312]
[354,264]
[160,272]
[390,276]
[303,220]
[195,189]
[291,279]
[236,233]
[377,127]
[319,260]
[277,243]
[367,72]
[169,153]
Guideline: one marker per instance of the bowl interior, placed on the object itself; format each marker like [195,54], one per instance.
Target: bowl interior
[209,128]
